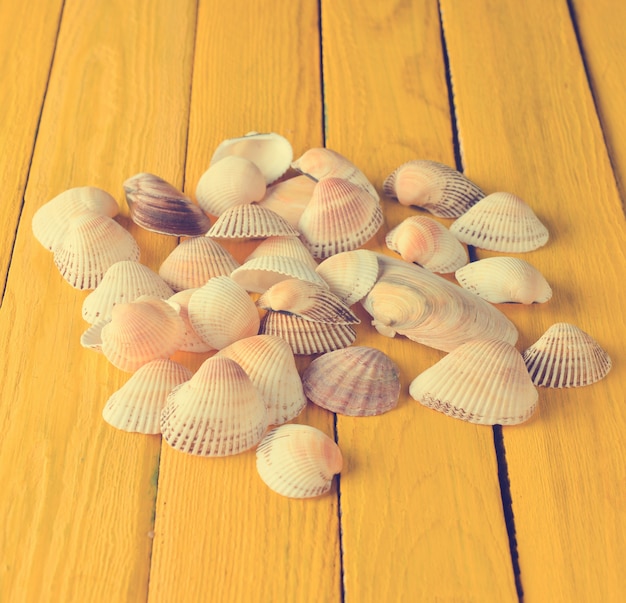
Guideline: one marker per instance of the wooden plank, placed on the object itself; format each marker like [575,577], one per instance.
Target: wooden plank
[420,500]
[528,125]
[78,497]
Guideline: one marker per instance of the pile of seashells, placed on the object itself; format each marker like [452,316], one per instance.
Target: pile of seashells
[293,295]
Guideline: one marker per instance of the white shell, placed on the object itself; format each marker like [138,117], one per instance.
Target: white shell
[192,342]
[288,198]
[250,222]
[287,247]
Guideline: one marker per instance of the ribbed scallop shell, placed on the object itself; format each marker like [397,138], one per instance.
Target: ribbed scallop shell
[218,412]
[137,405]
[482,382]
[192,342]
[250,222]
[436,187]
[501,222]
[269,362]
[298,461]
[357,381]
[339,217]
[288,198]
[428,243]
[503,279]
[566,356]
[287,247]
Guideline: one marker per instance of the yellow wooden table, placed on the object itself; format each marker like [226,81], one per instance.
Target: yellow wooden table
[525,97]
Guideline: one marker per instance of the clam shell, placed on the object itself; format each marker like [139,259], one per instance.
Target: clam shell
[192,342]
[436,187]
[298,461]
[287,247]
[566,356]
[288,198]
[250,222]
[501,222]
[482,382]
[357,381]
[218,412]
[91,338]
[137,405]
[503,279]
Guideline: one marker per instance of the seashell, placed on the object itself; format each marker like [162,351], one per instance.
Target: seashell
[503,279]
[271,366]
[306,336]
[250,222]
[192,342]
[287,247]
[123,282]
[482,382]
[435,187]
[229,182]
[140,331]
[288,198]
[50,222]
[158,206]
[357,381]
[259,274]
[310,301]
[566,356]
[92,244]
[194,261]
[351,274]
[218,412]
[221,312]
[320,163]
[92,337]
[501,222]
[428,243]
[339,217]
[136,407]
[298,461]
[271,152]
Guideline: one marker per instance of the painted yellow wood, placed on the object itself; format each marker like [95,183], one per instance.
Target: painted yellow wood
[420,500]
[78,497]
[528,125]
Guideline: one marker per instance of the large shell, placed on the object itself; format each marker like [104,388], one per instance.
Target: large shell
[288,198]
[482,382]
[357,381]
[501,222]
[286,247]
[566,356]
[298,461]
[503,279]
[250,222]
[436,187]
[218,412]
[192,342]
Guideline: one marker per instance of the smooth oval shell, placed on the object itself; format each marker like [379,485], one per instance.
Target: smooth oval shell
[288,198]
[250,222]
[286,247]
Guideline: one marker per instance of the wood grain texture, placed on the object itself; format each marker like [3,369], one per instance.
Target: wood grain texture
[528,125]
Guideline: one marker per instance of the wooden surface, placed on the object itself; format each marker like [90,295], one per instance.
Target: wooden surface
[524,97]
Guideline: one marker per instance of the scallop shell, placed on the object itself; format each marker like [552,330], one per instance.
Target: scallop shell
[482,382]
[288,198]
[137,405]
[357,381]
[436,187]
[298,461]
[566,356]
[250,222]
[218,412]
[501,222]
[503,279]
[339,217]
[287,247]
[192,342]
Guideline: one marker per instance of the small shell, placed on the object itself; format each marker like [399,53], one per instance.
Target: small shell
[482,382]
[250,222]
[566,356]
[436,187]
[158,206]
[357,381]
[288,198]
[192,342]
[91,339]
[501,222]
[503,279]
[298,461]
[287,247]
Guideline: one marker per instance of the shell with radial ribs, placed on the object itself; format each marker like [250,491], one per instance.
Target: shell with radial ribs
[192,342]
[286,247]
[250,221]
[288,198]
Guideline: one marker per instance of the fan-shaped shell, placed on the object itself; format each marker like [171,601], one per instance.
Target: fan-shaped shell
[357,381]
[287,247]
[566,356]
[298,461]
[482,382]
[250,222]
[288,198]
[192,342]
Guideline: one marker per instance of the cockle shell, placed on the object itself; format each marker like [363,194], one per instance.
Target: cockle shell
[287,247]
[137,405]
[192,342]
[339,217]
[357,381]
[250,222]
[501,222]
[428,243]
[504,279]
[298,461]
[482,381]
[91,338]
[288,198]
[436,187]
[218,412]
[566,356]
[158,206]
